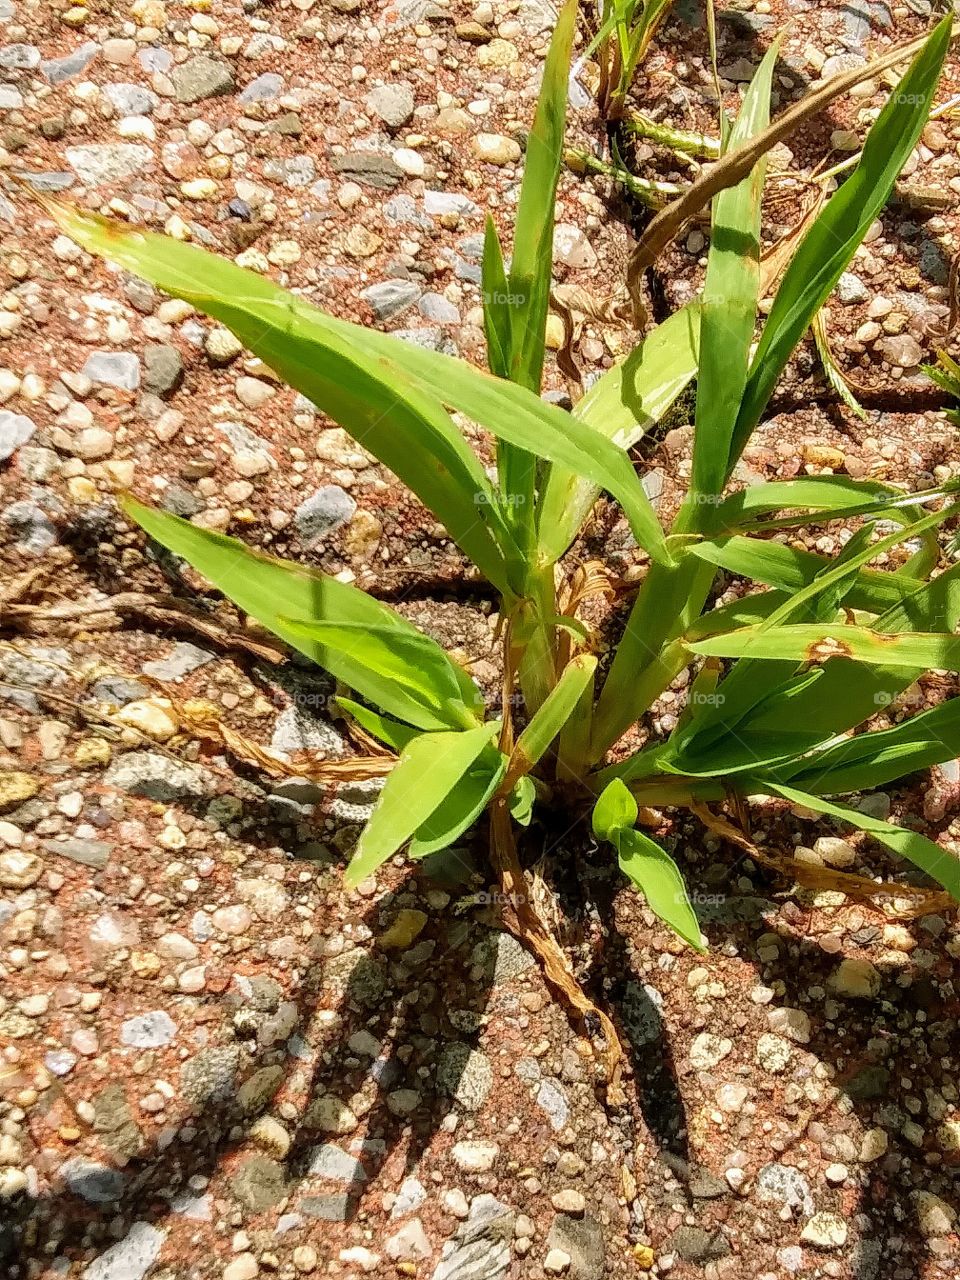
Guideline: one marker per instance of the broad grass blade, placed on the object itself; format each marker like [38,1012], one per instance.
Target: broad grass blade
[658,878]
[462,806]
[812,642]
[287,597]
[430,767]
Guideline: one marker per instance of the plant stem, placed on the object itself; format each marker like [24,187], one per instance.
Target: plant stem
[685,141]
[656,195]
[534,637]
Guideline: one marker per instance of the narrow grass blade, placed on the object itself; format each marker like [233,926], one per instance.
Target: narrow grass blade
[287,597]
[833,238]
[372,398]
[923,853]
[554,713]
[730,298]
[428,770]
[789,569]
[496,311]
[871,760]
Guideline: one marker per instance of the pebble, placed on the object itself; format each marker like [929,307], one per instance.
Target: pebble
[825,1231]
[200,78]
[392,103]
[326,509]
[496,148]
[130,1258]
[148,1030]
[569,1201]
[708,1050]
[113,369]
[475,1157]
[96,164]
[855,978]
[15,430]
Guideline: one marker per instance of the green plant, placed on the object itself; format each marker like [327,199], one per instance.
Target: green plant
[627,28]
[821,652]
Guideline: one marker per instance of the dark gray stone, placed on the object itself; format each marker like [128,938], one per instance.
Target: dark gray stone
[92,1181]
[259,1184]
[114,1124]
[182,659]
[390,298]
[59,70]
[323,512]
[333,1207]
[210,1075]
[582,1239]
[369,169]
[89,853]
[162,369]
[696,1244]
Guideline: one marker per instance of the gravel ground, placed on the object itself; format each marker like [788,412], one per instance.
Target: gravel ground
[215,1062]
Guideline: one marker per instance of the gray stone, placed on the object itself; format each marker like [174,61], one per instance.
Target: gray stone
[15,430]
[182,659]
[202,77]
[481,1246]
[392,103]
[582,1239]
[92,1181]
[435,307]
[150,1030]
[263,88]
[358,976]
[552,1100]
[438,203]
[157,777]
[210,1075]
[11,99]
[162,369]
[259,1183]
[59,70]
[369,169]
[49,180]
[323,512]
[35,531]
[696,1244]
[292,171]
[465,1074]
[101,162]
[119,690]
[19,57]
[88,853]
[850,289]
[257,1090]
[391,297]
[130,1258]
[335,1207]
[782,1184]
[297,729]
[130,99]
[120,369]
[330,1161]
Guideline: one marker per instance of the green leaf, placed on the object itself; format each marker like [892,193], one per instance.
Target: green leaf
[832,239]
[263,587]
[622,405]
[658,878]
[730,297]
[496,311]
[461,807]
[532,261]
[387,393]
[923,853]
[554,713]
[814,642]
[392,732]
[615,810]
[402,662]
[873,759]
[521,800]
[819,493]
[789,569]
[428,770]
[368,393]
